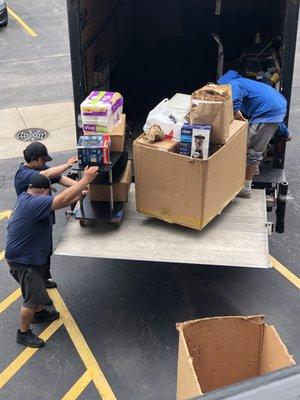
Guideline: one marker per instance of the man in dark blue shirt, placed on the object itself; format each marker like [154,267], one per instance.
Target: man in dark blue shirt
[29,241]
[36,155]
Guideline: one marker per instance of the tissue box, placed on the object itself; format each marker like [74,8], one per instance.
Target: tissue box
[93,150]
[101,110]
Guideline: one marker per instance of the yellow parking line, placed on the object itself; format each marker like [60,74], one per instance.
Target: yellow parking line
[2,255]
[21,22]
[82,348]
[26,354]
[9,300]
[5,214]
[285,272]
[78,387]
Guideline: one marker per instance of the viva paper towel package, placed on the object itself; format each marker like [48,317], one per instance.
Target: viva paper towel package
[100,111]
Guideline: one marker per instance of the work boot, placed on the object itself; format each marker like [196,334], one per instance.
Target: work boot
[50,284]
[245,193]
[29,339]
[45,316]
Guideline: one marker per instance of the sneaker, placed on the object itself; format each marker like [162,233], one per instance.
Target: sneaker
[48,302]
[50,284]
[245,193]
[29,339]
[45,316]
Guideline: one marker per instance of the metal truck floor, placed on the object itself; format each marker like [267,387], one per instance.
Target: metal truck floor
[237,237]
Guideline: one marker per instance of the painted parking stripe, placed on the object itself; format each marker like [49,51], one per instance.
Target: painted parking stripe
[2,254]
[5,214]
[82,348]
[10,299]
[26,354]
[285,272]
[20,21]
[78,387]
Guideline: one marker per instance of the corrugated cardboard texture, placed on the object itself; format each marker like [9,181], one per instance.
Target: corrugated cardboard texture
[166,145]
[274,354]
[186,191]
[117,135]
[188,385]
[226,171]
[121,189]
[169,186]
[226,350]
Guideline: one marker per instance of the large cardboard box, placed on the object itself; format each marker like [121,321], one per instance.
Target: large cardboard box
[216,352]
[117,136]
[121,188]
[187,191]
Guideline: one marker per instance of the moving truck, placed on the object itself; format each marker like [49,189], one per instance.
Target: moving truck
[149,50]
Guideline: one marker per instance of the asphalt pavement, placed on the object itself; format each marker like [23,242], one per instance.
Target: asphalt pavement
[35,70]
[126,311]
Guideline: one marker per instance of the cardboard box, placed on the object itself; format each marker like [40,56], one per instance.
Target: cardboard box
[117,135]
[162,145]
[121,188]
[187,191]
[216,352]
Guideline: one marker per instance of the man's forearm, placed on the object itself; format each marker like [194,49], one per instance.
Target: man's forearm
[70,195]
[67,182]
[53,172]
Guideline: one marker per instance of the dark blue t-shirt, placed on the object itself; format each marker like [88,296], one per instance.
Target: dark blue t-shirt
[29,231]
[22,179]
[23,176]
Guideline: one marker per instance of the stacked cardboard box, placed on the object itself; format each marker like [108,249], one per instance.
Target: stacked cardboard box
[117,134]
[120,189]
[101,114]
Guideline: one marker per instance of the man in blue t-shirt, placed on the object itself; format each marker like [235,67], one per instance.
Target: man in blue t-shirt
[28,243]
[265,108]
[36,155]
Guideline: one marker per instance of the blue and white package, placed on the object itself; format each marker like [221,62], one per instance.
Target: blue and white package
[94,150]
[194,140]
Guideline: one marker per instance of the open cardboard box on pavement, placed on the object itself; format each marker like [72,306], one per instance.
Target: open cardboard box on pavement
[117,136]
[120,189]
[220,351]
[184,190]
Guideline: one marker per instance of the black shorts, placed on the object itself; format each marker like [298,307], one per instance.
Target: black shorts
[32,281]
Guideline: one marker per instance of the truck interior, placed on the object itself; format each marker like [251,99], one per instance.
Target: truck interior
[151,50]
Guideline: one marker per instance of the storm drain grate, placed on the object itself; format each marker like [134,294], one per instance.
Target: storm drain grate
[32,135]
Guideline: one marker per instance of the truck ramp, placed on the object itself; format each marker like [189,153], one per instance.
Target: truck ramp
[238,237]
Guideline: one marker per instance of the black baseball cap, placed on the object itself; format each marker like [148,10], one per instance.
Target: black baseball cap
[36,150]
[39,181]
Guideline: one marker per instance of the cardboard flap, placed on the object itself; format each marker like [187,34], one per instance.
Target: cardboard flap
[274,354]
[187,384]
[164,145]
